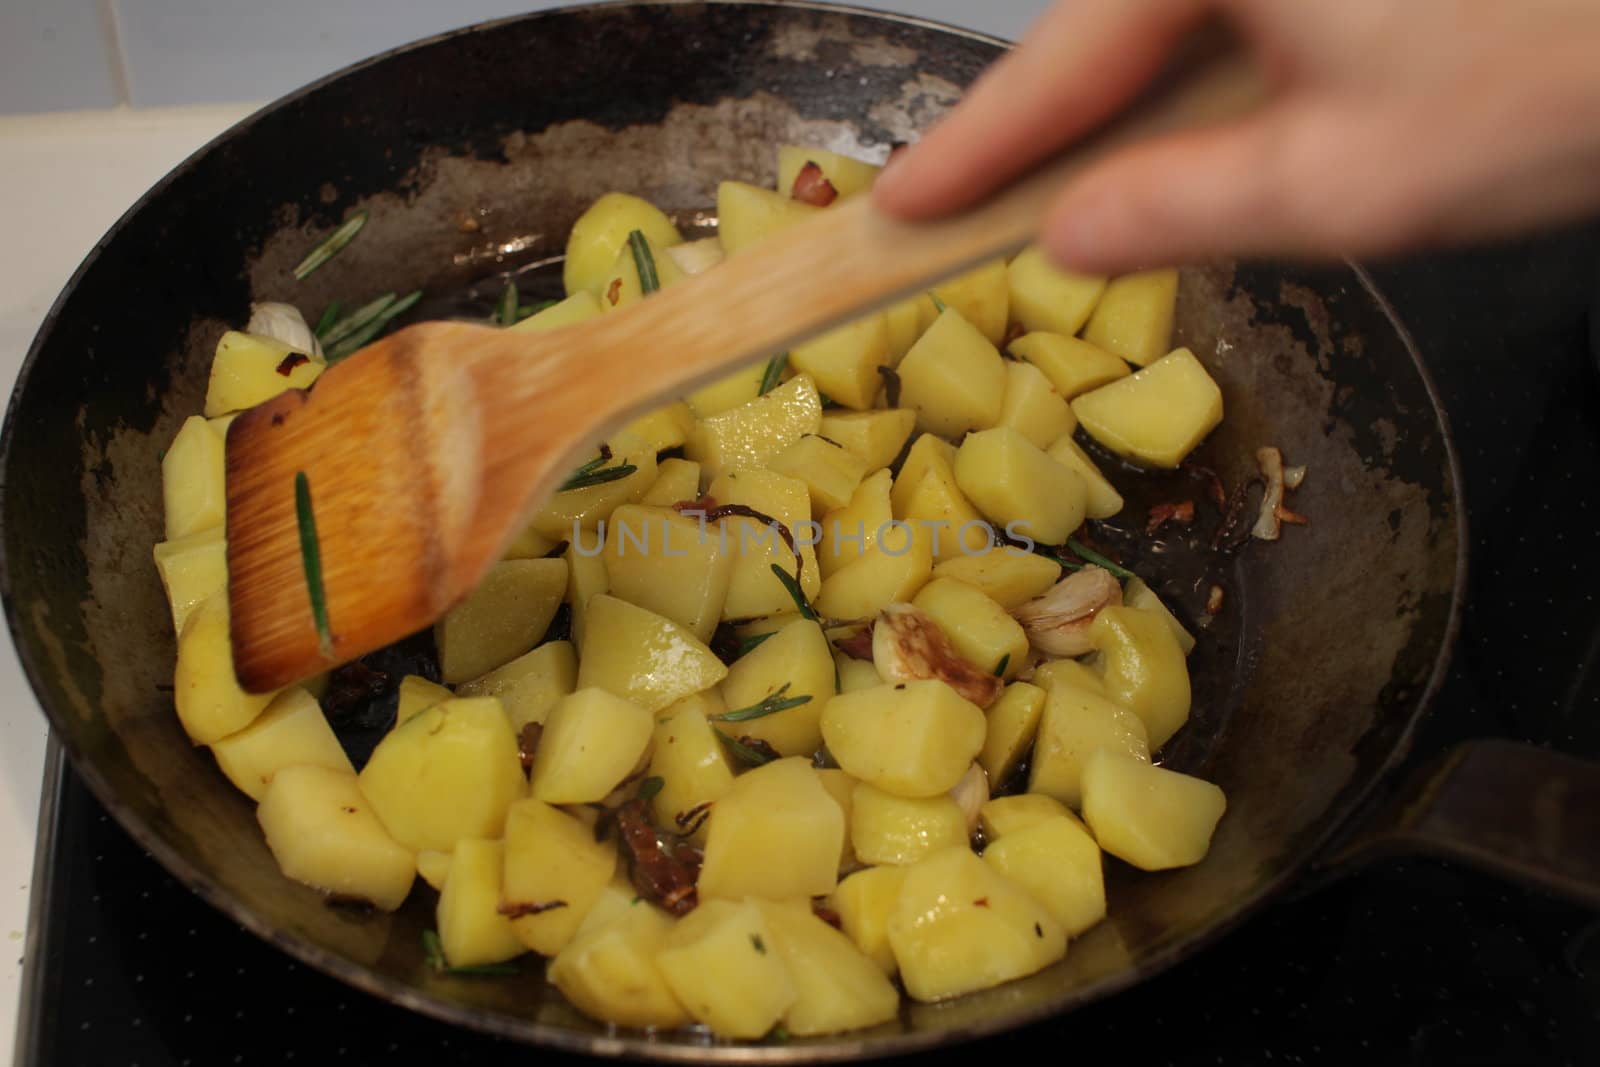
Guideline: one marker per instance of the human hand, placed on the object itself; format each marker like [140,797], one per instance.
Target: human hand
[1392,124]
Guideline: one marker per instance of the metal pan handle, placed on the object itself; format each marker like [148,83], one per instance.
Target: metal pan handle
[1524,813]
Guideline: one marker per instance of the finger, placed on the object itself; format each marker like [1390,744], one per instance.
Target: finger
[1074,68]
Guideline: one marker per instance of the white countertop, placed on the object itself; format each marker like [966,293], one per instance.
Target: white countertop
[64,179]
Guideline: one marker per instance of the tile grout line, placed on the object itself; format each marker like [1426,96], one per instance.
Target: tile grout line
[116,58]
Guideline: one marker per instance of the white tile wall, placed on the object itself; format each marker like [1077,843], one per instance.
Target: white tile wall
[63,54]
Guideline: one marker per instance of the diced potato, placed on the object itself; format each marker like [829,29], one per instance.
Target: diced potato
[592,740]
[850,531]
[889,829]
[913,740]
[291,731]
[249,368]
[1033,407]
[677,480]
[959,925]
[434,867]
[953,378]
[892,572]
[609,971]
[865,902]
[221,423]
[581,306]
[1074,366]
[1045,297]
[873,437]
[529,686]
[193,496]
[1068,672]
[1134,316]
[748,215]
[842,788]
[831,474]
[1157,416]
[688,758]
[603,229]
[941,514]
[1006,575]
[847,176]
[844,361]
[736,389]
[665,427]
[1076,723]
[981,630]
[204,687]
[1058,863]
[797,659]
[905,326]
[323,833]
[980,296]
[621,286]
[450,772]
[836,986]
[569,511]
[640,656]
[1101,499]
[586,579]
[669,564]
[855,673]
[1020,488]
[1144,669]
[191,569]
[776,834]
[1013,723]
[472,931]
[722,963]
[1004,815]
[1149,816]
[504,617]
[748,436]
[1136,594]
[926,453]
[753,590]
[697,257]
[529,544]
[555,871]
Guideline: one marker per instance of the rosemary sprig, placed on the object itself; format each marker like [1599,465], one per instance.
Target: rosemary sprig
[330,315]
[750,644]
[743,752]
[357,320]
[359,340]
[330,246]
[771,705]
[938,304]
[528,311]
[774,373]
[1091,556]
[505,312]
[433,954]
[1000,668]
[595,472]
[795,593]
[644,262]
[311,561]
[651,786]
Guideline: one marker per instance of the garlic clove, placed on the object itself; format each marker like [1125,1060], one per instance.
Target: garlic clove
[1058,620]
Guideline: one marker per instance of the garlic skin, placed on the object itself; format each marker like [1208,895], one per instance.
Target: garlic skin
[908,646]
[283,322]
[971,794]
[1057,621]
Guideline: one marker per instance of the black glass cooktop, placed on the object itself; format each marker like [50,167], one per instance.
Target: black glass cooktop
[1406,962]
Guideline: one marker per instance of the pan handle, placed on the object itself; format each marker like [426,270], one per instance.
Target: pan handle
[1522,812]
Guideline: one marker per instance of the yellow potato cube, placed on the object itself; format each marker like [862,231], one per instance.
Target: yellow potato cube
[323,833]
[586,579]
[927,452]
[1075,724]
[1033,407]
[1074,366]
[836,986]
[1013,724]
[848,533]
[504,617]
[1149,816]
[221,423]
[643,657]
[1072,673]
[798,660]
[472,931]
[776,834]
[529,544]
[941,514]
[889,829]
[865,901]
[677,480]
[697,257]
[603,229]
[844,361]
[847,176]
[592,740]
[688,758]
[1101,499]
[735,390]
[581,306]
[1016,486]
[609,971]
[981,630]
[913,740]
[529,686]
[193,497]
[892,572]
[748,215]
[873,437]
[248,369]
[1136,594]
[205,689]
[1045,297]
[1058,863]
[1004,815]
[1006,575]
[905,326]
[665,427]
[291,731]
[1143,668]
[842,788]
[748,436]
[1157,416]
[570,512]
[555,871]
[722,963]
[1134,316]
[855,673]
[953,378]
[959,925]
[980,296]
[831,474]
[753,590]
[191,569]
[669,564]
[450,772]
[434,867]
[621,286]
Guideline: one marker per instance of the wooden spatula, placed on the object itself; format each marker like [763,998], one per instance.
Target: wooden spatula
[427,452]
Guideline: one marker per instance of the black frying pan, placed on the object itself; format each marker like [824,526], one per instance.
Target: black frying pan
[474,152]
